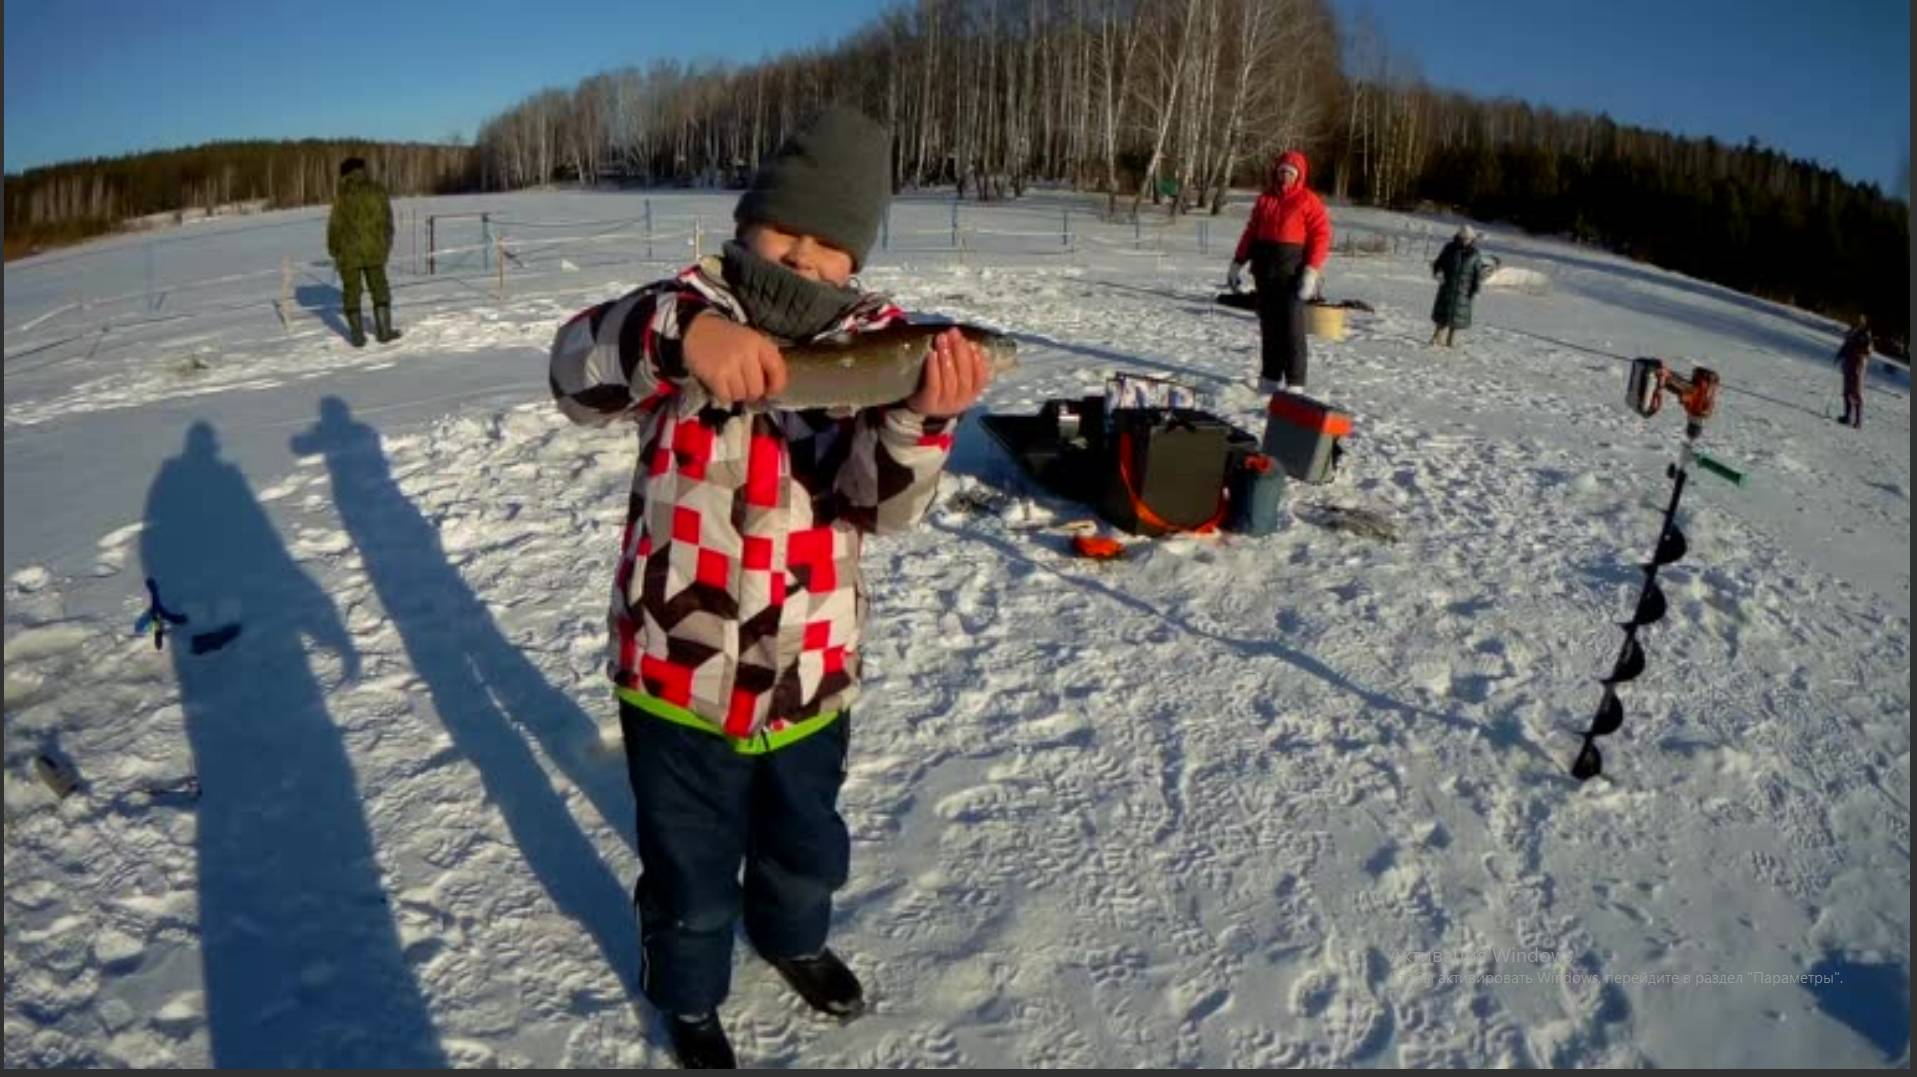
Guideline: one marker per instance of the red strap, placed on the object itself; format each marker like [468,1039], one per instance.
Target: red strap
[1144,511]
[1308,414]
[1098,547]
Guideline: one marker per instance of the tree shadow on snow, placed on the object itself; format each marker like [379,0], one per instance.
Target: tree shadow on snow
[1699,288]
[301,959]
[1200,304]
[992,469]
[490,697]
[1759,333]
[1624,361]
[1130,362]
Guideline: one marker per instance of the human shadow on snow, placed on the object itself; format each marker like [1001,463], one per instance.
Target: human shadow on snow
[493,701]
[301,960]
[323,302]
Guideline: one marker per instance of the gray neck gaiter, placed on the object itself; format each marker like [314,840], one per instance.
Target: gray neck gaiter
[779,301]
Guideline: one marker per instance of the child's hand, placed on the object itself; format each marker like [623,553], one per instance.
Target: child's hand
[955,374]
[735,363]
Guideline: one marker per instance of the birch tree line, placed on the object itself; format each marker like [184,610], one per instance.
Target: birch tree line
[1167,100]
[1746,216]
[1177,101]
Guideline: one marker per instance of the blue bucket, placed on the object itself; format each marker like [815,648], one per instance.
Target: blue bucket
[1257,495]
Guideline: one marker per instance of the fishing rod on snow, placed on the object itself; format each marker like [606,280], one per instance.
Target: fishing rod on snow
[157,617]
[1650,381]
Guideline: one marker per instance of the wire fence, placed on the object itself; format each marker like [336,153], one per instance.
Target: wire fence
[497,255]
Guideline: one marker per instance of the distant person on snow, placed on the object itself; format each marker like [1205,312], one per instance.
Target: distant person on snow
[1461,266]
[1286,241]
[1853,356]
[359,236]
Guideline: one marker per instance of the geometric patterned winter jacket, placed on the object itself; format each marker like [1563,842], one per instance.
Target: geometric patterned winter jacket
[737,596]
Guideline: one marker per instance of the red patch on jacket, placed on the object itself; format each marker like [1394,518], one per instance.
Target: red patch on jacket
[762,472]
[812,548]
[692,445]
[666,680]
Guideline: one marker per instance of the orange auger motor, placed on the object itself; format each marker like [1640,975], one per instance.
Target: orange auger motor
[1650,380]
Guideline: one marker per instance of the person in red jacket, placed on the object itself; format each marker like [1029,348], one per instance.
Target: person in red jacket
[1286,241]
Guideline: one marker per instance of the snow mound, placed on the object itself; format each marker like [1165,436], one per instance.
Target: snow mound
[1513,278]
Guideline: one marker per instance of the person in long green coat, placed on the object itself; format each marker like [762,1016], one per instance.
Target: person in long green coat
[359,236]
[1462,268]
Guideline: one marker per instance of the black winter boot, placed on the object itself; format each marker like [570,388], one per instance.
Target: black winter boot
[824,983]
[700,1043]
[383,325]
[356,328]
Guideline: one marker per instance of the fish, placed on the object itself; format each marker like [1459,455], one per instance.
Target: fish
[881,366]
[1355,519]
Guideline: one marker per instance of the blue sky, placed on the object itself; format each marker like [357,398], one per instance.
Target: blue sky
[103,77]
[1828,80]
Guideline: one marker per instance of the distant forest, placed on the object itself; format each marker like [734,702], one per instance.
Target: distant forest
[72,201]
[1166,103]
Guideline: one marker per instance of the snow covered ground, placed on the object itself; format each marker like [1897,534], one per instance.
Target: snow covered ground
[1290,800]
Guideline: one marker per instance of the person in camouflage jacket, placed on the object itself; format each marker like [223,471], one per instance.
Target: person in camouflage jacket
[359,237]
[738,607]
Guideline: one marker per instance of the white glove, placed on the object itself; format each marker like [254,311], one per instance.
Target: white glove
[1307,283]
[1235,278]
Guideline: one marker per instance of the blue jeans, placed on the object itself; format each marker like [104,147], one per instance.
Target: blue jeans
[705,810]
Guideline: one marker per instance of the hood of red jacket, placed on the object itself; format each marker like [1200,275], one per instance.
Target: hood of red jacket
[1295,160]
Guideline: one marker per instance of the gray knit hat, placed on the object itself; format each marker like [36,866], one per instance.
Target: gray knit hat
[831,180]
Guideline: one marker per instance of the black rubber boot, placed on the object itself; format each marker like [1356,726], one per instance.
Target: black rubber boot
[701,1044]
[356,328]
[824,983]
[383,325]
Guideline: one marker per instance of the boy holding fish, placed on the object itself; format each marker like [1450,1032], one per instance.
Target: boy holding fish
[737,607]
